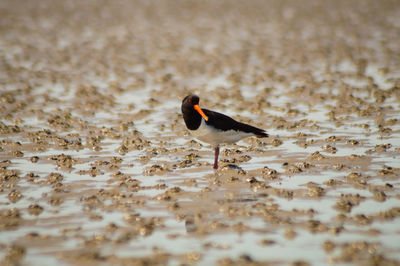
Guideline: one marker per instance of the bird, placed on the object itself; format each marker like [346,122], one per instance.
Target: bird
[213,127]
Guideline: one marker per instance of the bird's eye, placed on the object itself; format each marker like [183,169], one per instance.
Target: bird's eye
[190,100]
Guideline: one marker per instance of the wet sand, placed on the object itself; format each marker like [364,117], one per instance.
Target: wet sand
[97,167]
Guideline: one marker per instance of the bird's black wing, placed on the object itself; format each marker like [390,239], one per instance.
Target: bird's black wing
[224,123]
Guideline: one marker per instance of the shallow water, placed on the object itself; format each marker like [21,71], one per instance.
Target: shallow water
[118,179]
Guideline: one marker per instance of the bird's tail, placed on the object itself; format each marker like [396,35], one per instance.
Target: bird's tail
[262,134]
[258,132]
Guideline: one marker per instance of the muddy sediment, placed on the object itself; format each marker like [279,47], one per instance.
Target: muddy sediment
[96,165]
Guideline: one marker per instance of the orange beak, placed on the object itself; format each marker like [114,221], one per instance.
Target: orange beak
[198,109]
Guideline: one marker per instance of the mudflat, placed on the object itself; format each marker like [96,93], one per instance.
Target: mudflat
[97,167]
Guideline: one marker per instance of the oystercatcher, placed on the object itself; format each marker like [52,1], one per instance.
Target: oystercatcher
[215,128]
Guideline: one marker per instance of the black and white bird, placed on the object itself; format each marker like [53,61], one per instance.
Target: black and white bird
[213,127]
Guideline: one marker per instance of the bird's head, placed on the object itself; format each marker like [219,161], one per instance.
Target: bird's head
[191,102]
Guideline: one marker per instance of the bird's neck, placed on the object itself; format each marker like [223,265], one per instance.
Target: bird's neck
[192,119]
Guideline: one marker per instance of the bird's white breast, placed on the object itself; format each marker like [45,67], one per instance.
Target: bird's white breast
[215,136]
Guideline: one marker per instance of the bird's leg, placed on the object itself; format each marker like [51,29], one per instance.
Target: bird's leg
[216,157]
